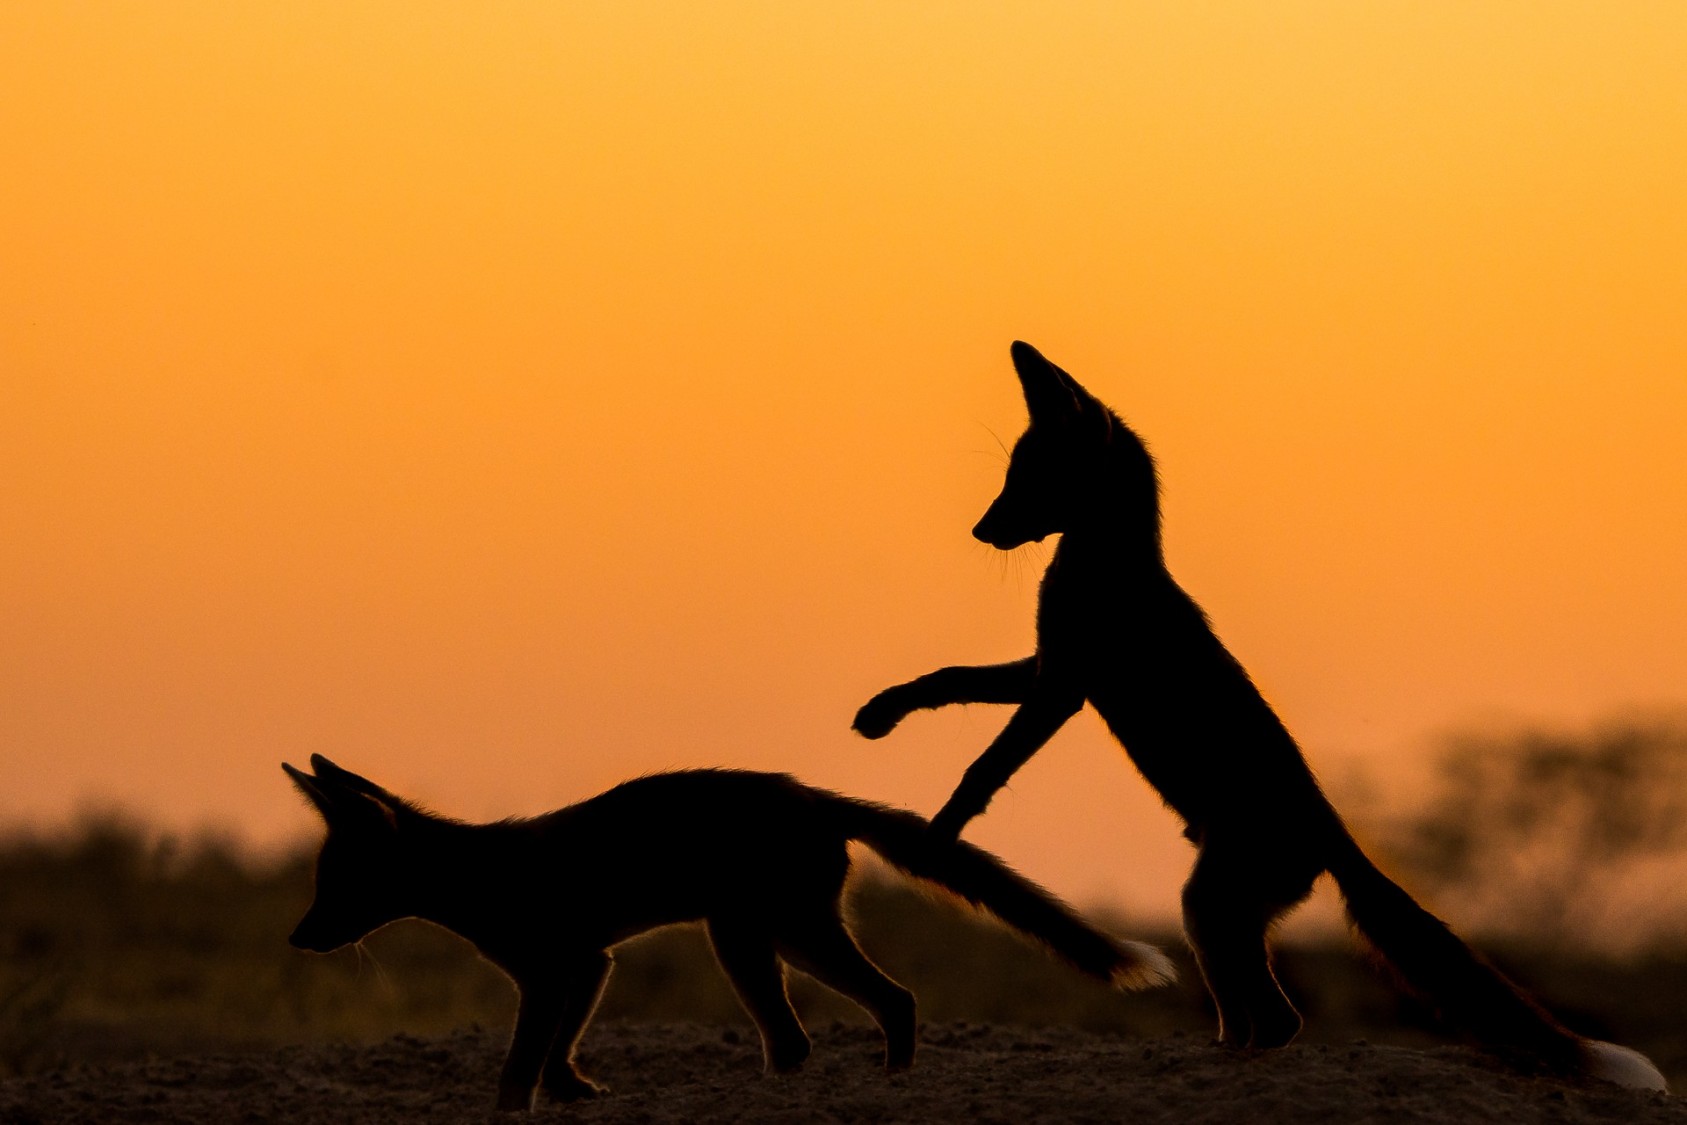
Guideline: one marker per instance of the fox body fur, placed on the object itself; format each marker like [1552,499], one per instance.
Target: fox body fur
[759,859]
[1116,631]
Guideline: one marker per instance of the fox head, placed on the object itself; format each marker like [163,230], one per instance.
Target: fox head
[360,873]
[1076,467]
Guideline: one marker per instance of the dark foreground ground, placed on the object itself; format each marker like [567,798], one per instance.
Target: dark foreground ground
[965,1073]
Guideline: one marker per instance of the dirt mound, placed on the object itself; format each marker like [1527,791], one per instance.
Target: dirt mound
[696,1073]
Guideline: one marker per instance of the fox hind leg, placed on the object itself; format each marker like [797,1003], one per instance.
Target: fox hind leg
[562,1079]
[747,956]
[822,947]
[1227,911]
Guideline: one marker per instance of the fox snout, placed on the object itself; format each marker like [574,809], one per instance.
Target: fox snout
[1002,530]
[987,533]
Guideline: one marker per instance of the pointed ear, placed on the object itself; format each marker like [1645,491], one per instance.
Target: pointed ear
[329,772]
[366,812]
[306,784]
[342,804]
[1051,395]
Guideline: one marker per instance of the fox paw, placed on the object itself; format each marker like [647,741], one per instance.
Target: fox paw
[573,1088]
[899,1057]
[878,716]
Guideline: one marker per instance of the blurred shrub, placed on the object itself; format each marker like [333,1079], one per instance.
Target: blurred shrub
[117,942]
[1575,839]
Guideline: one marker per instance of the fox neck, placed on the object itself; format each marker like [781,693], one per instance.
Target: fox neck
[1113,554]
[456,874]
[1120,520]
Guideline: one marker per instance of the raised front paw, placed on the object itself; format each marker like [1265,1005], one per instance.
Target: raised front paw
[879,715]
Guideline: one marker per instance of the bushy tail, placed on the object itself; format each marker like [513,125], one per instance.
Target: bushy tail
[979,878]
[1468,991]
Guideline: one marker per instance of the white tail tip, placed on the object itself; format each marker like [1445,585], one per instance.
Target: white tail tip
[1148,967]
[1623,1065]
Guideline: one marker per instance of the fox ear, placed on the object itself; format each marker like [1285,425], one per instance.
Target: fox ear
[306,784]
[328,771]
[343,804]
[1051,395]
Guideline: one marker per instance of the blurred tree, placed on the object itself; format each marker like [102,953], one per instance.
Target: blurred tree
[1578,837]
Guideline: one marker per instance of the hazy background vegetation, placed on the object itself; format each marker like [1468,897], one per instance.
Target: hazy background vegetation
[1570,839]
[1563,852]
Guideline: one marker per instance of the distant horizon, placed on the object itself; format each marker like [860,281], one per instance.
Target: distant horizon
[1635,912]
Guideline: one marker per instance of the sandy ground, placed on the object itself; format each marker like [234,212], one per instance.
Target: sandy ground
[681,1073]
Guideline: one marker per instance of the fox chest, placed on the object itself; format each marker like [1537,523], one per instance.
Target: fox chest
[1142,657]
[1091,634]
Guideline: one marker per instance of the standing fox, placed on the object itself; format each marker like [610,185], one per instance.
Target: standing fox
[1114,630]
[759,858]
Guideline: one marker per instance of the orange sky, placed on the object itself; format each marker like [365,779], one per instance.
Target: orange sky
[506,399]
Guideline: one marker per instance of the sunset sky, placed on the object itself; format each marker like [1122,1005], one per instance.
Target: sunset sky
[506,399]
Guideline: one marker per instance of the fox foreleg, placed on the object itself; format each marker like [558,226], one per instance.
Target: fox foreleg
[552,1013]
[981,683]
[1031,726]
[536,1023]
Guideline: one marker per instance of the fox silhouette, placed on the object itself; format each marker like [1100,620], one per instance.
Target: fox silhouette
[1116,631]
[760,859]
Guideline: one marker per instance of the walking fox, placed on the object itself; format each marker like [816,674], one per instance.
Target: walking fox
[1114,630]
[759,858]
